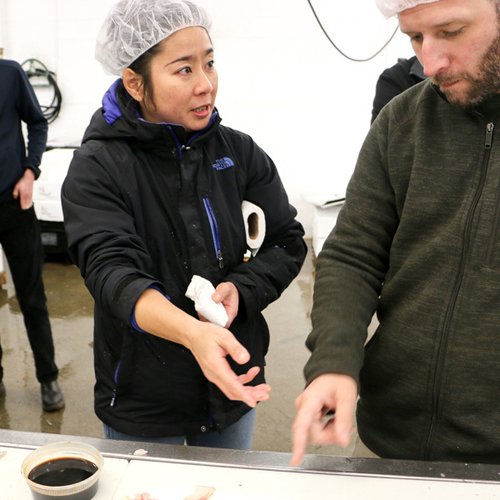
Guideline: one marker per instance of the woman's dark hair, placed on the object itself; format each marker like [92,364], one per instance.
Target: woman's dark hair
[142,66]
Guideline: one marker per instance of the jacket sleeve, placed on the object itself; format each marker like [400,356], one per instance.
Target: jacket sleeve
[263,278]
[352,265]
[37,126]
[102,239]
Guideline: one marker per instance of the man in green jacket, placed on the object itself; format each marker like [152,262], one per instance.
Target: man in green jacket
[418,243]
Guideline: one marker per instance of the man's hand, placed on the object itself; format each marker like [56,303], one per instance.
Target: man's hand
[328,393]
[23,190]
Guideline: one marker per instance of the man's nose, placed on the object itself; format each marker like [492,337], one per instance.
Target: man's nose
[434,58]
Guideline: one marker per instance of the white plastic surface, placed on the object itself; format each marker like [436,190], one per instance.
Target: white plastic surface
[123,480]
[175,481]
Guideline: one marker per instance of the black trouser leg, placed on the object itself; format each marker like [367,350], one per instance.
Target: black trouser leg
[20,239]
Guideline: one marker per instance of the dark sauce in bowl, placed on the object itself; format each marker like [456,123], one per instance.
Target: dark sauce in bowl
[62,471]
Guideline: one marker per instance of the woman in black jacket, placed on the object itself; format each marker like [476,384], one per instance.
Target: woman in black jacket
[154,197]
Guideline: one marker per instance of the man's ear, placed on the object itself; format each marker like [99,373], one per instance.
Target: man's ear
[133,84]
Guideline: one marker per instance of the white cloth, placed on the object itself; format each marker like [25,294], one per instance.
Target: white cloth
[200,291]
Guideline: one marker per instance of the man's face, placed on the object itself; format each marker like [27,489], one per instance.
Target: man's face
[457,42]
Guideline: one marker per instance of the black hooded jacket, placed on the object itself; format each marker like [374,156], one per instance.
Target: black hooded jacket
[146,205]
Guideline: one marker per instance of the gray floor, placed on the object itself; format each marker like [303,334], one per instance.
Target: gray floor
[70,308]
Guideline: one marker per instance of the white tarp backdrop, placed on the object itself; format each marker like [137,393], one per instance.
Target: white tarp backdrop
[280,79]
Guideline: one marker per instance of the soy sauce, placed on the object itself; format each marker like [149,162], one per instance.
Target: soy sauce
[62,471]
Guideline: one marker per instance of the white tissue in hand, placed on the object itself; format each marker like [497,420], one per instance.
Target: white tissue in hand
[200,291]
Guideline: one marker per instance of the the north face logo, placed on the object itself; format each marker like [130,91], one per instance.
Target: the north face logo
[223,163]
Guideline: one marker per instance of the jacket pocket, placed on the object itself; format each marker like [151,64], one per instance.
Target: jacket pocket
[116,378]
[492,251]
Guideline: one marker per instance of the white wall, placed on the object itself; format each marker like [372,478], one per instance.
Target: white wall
[280,80]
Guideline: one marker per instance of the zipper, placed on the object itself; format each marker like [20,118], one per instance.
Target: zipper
[489,135]
[215,231]
[490,127]
[443,347]
[115,379]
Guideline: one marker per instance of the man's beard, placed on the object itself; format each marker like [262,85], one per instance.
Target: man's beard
[485,85]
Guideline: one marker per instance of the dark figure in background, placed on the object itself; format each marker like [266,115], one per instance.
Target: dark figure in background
[19,227]
[394,80]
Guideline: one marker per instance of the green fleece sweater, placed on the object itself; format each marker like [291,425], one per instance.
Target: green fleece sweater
[418,242]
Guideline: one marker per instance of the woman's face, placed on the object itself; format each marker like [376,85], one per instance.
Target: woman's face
[183,81]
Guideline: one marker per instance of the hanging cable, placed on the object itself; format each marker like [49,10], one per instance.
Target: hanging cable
[41,76]
[343,53]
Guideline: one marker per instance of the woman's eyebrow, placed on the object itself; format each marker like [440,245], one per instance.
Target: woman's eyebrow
[188,58]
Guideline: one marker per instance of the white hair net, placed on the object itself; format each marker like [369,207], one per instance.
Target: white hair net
[134,26]
[391,7]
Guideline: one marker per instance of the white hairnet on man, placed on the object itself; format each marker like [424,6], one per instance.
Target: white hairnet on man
[134,26]
[392,7]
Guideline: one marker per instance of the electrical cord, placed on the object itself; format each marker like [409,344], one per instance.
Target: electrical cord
[36,69]
[343,53]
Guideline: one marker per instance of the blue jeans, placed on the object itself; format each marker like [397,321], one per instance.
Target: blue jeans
[237,436]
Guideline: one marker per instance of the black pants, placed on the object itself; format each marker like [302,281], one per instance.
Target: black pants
[21,243]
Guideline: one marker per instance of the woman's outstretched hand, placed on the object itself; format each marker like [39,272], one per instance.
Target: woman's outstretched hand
[210,344]
[210,347]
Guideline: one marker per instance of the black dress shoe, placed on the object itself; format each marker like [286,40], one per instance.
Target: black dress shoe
[2,390]
[52,397]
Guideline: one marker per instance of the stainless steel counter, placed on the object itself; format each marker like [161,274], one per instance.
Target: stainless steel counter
[165,470]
